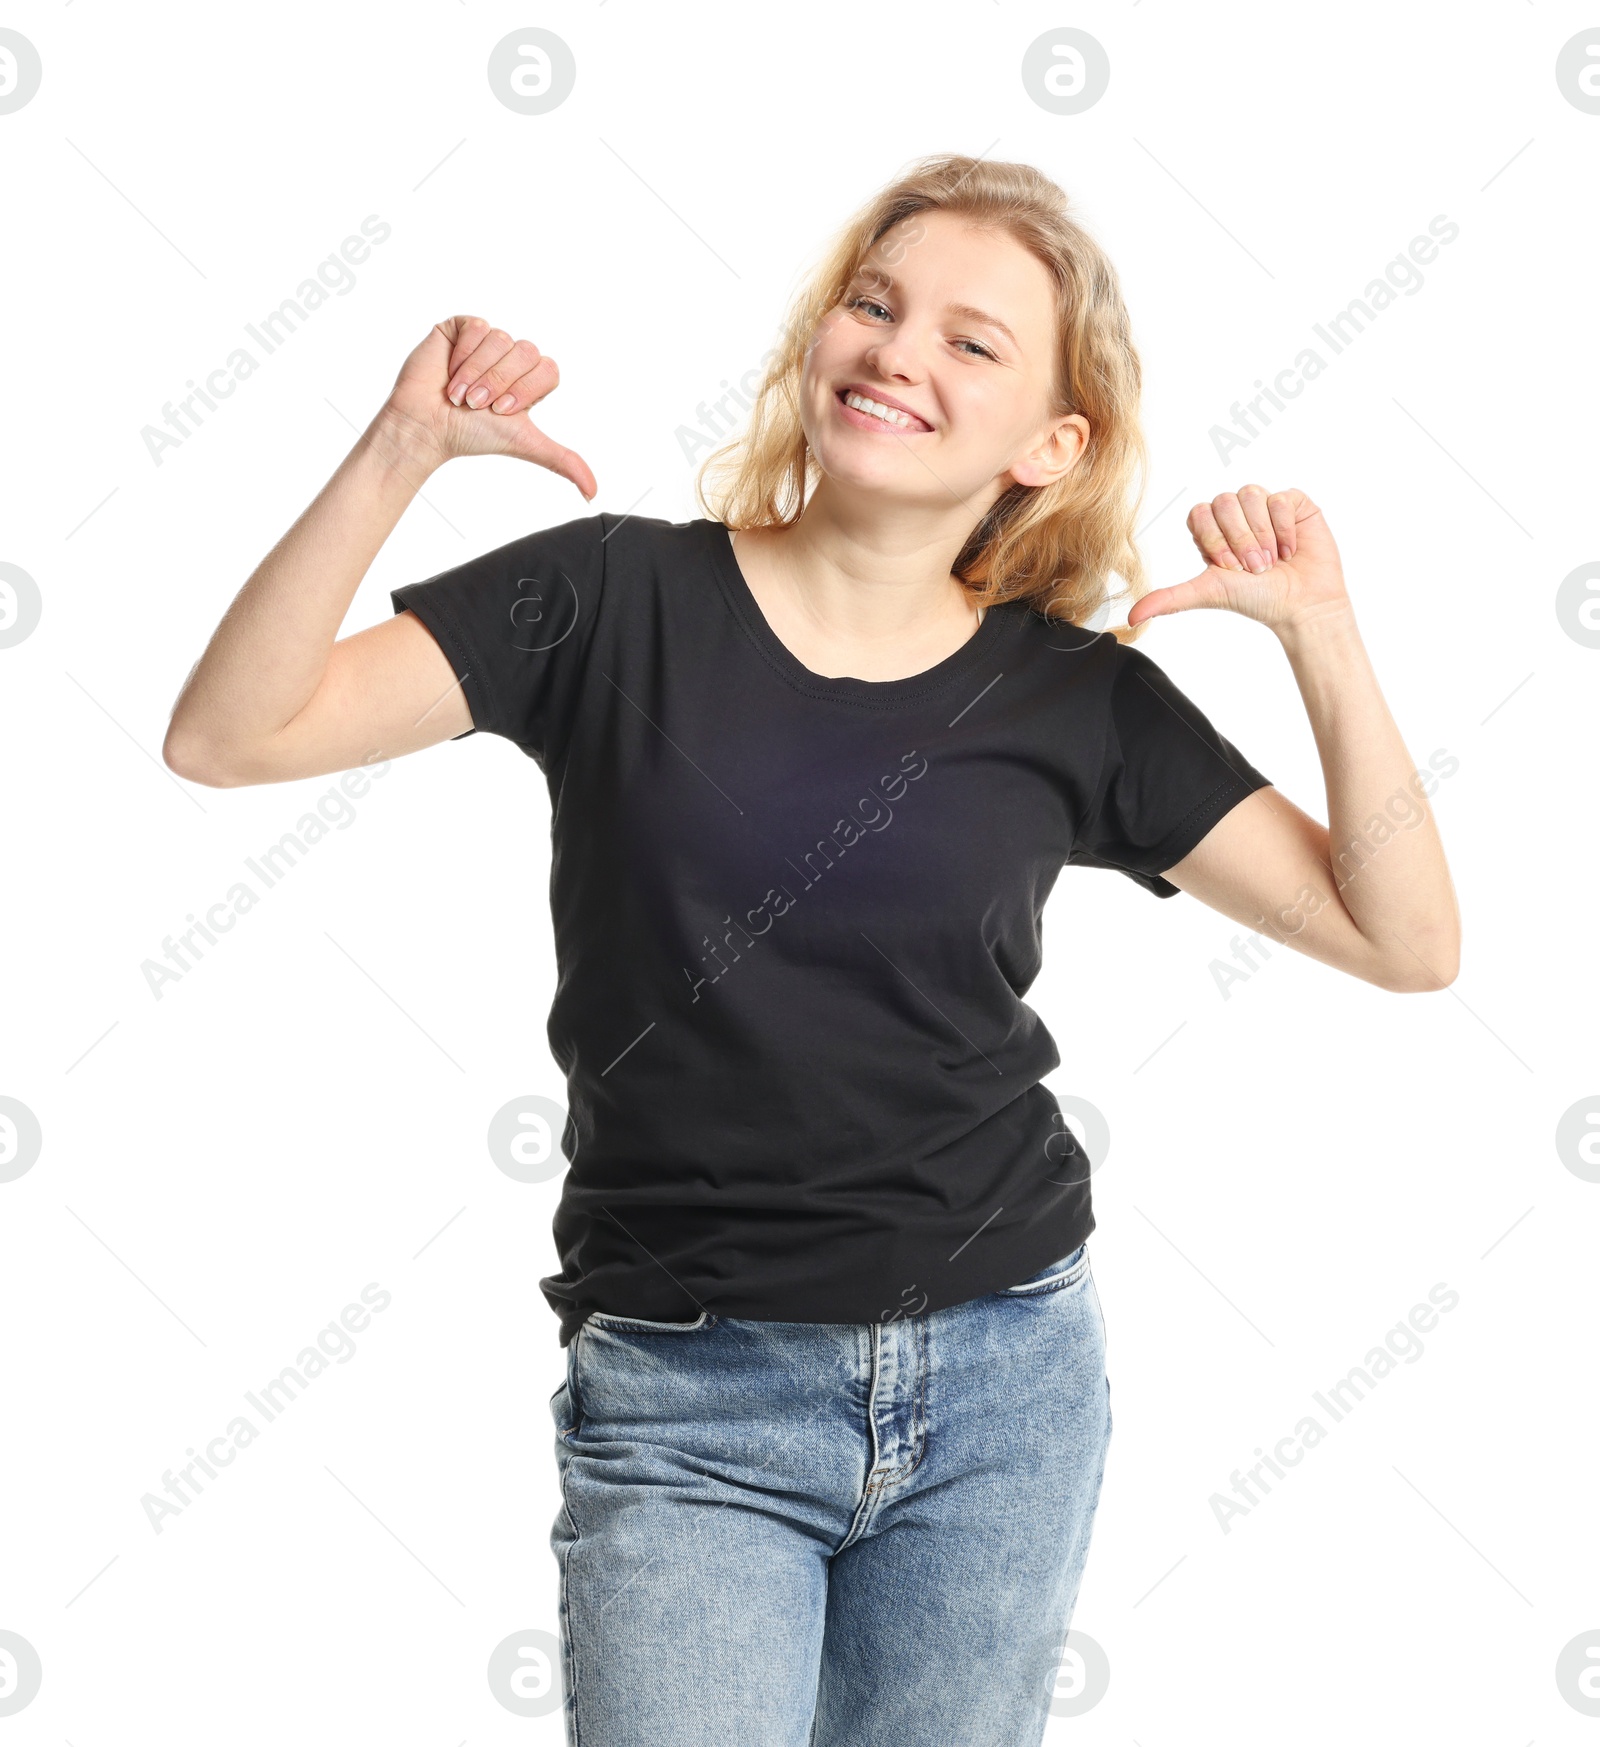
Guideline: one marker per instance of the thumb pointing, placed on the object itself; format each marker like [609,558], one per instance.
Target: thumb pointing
[533,445]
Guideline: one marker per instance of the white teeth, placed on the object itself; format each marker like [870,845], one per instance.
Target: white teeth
[890,415]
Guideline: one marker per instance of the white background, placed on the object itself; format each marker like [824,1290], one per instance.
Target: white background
[1291,1168]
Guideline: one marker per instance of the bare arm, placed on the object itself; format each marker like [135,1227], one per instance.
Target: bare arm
[274,696]
[1369,893]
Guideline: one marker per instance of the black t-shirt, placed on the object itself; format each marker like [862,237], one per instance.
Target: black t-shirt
[795,919]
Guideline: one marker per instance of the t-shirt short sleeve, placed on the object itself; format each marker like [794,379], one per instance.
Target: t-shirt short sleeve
[516,625]
[1168,777]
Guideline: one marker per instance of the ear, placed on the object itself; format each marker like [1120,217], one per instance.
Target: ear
[1055,455]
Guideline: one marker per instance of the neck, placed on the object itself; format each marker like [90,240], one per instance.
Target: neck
[869,570]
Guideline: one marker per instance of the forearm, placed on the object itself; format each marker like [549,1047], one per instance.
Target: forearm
[268,655]
[1387,861]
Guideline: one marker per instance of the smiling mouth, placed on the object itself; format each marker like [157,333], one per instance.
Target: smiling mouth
[869,414]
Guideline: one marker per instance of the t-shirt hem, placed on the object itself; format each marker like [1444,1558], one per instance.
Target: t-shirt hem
[458,651]
[1197,823]
[1021,1265]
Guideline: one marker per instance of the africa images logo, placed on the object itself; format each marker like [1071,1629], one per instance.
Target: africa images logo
[779,900]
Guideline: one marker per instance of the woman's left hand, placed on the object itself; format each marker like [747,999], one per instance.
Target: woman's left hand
[1268,555]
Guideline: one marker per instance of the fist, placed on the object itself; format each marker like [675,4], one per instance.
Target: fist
[1268,555]
[468,388]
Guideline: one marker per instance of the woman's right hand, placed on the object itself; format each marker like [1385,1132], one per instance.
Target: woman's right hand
[466,390]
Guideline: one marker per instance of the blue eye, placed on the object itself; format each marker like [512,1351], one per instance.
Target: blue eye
[872,303]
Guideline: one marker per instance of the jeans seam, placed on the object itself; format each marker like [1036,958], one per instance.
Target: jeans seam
[920,1417]
[570,1660]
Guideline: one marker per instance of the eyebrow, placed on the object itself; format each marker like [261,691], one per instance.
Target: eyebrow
[969,311]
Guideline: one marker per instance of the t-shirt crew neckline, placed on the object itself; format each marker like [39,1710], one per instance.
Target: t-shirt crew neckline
[844,688]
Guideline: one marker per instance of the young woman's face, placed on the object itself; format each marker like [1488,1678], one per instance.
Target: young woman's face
[955,325]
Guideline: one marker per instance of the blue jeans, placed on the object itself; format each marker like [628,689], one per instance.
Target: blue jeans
[811,1534]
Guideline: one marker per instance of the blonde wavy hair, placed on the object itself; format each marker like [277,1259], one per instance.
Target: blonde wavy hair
[1057,547]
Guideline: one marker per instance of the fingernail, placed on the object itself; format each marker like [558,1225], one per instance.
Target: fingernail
[457,389]
[478,396]
[1256,559]
[505,403]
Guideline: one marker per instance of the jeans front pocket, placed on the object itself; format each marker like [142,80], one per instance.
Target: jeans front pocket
[644,1325]
[563,1399]
[1054,1277]
[561,1414]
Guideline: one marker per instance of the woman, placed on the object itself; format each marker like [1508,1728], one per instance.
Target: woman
[836,1413]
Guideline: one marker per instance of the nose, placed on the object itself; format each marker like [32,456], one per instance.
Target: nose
[895,356]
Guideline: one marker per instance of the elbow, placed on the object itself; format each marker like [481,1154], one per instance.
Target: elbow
[195,760]
[1422,967]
